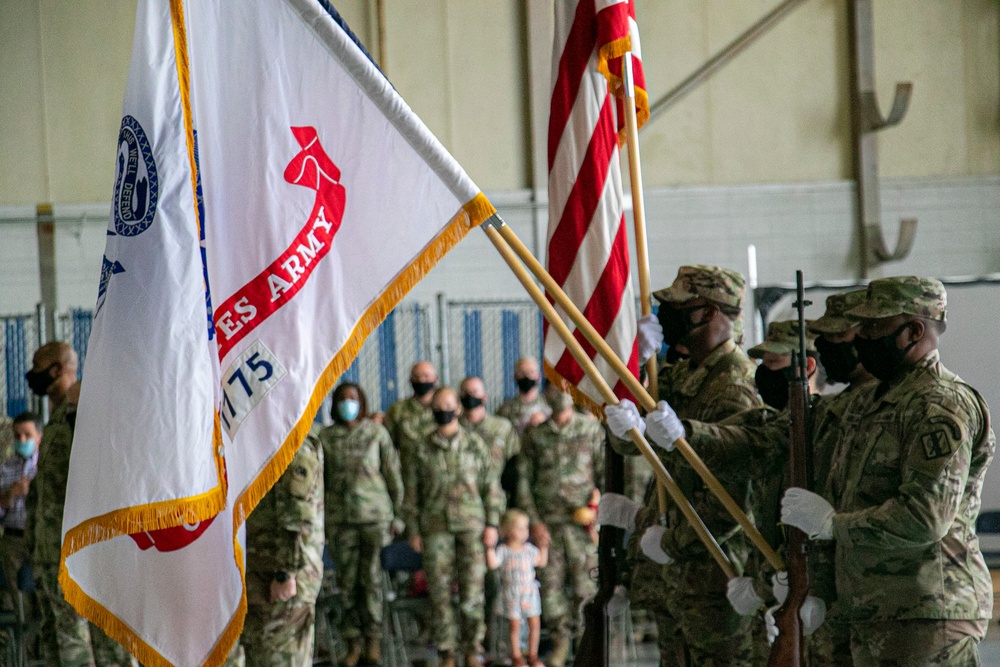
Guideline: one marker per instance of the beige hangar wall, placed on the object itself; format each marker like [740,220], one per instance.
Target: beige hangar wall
[777,114]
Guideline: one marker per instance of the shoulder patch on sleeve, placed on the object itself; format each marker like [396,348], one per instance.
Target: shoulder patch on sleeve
[936,444]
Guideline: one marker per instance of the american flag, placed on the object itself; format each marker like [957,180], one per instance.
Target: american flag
[587,241]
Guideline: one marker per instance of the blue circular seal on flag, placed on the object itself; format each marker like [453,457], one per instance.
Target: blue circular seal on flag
[136,184]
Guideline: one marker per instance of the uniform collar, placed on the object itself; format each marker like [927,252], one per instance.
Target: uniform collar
[692,383]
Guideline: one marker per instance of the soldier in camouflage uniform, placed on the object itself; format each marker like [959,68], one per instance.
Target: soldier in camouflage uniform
[409,420]
[528,408]
[759,439]
[452,508]
[364,498]
[695,624]
[907,477]
[284,537]
[497,432]
[67,638]
[561,467]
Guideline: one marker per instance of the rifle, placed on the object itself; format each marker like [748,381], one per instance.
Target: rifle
[593,648]
[787,648]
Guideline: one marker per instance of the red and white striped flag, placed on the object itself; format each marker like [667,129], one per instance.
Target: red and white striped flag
[587,242]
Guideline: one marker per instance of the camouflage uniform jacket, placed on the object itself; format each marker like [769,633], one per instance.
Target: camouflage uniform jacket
[909,477]
[518,411]
[501,438]
[361,475]
[285,531]
[47,495]
[758,439]
[721,386]
[559,468]
[450,486]
[408,421]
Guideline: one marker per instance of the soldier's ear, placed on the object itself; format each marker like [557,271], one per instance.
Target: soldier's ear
[917,330]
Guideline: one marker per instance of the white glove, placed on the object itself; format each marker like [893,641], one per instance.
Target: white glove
[617,510]
[622,417]
[772,627]
[742,597]
[650,337]
[650,545]
[663,427]
[809,512]
[779,586]
[812,613]
[617,603]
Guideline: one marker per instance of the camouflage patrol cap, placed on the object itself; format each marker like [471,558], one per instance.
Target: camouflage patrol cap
[909,295]
[835,320]
[782,338]
[714,283]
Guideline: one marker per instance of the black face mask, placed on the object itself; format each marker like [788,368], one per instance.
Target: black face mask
[443,417]
[421,388]
[676,323]
[524,385]
[880,356]
[470,402]
[839,359]
[40,381]
[773,386]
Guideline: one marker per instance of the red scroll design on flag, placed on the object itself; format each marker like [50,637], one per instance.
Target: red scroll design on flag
[276,285]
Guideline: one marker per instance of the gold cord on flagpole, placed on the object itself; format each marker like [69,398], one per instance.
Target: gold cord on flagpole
[574,347]
[640,393]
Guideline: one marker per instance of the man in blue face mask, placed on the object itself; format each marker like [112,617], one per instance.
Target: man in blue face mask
[16,473]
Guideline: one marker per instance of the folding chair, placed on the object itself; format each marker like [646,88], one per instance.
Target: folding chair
[395,558]
[12,624]
[988,530]
[328,611]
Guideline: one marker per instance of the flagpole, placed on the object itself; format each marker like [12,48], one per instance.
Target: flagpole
[639,220]
[638,209]
[587,364]
[637,390]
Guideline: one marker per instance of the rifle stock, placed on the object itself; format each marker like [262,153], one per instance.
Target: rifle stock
[787,648]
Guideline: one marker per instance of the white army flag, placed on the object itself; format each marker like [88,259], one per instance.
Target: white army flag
[325,199]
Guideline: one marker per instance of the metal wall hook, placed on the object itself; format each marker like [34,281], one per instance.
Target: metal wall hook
[873,119]
[904,240]
[867,120]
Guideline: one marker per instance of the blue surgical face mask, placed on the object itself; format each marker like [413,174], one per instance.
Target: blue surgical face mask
[25,448]
[348,409]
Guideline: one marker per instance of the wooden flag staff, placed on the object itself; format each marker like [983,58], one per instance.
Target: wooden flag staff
[639,219]
[586,363]
[634,386]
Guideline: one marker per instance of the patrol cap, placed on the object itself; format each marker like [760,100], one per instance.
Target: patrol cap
[903,295]
[714,283]
[782,338]
[835,319]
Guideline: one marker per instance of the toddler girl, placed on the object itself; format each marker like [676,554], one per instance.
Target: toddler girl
[518,598]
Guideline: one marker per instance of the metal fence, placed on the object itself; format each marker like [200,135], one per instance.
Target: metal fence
[485,338]
[474,338]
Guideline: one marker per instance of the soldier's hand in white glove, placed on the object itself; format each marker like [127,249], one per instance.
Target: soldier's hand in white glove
[650,543]
[622,417]
[812,613]
[650,337]
[617,510]
[742,597]
[618,602]
[770,625]
[809,512]
[663,427]
[779,586]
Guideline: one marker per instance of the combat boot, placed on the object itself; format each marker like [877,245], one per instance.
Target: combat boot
[373,652]
[353,656]
[560,650]
[446,659]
